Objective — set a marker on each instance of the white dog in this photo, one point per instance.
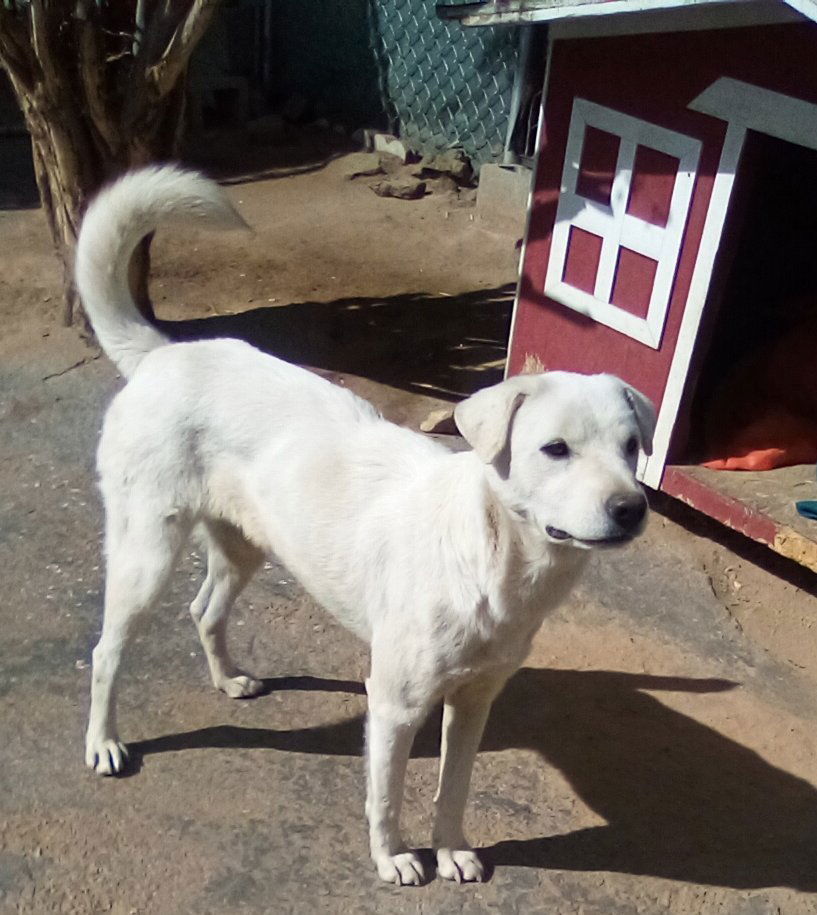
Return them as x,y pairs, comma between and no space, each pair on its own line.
444,563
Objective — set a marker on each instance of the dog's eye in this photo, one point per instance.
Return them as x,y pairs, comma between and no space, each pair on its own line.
632,445
556,449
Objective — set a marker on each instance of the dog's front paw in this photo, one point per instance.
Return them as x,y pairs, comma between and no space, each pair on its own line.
241,686
106,756
403,869
460,864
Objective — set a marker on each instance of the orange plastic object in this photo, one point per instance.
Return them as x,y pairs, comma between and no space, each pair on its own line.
775,439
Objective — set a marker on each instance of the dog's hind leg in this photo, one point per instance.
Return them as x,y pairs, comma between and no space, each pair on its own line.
141,553
231,562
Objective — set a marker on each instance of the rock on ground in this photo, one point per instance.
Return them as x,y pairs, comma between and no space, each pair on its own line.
402,187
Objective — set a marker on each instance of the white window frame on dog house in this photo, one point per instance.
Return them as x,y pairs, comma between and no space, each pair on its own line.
617,228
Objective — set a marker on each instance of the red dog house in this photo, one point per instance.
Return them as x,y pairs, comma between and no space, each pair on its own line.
672,222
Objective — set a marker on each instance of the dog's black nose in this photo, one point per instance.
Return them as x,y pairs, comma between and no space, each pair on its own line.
627,509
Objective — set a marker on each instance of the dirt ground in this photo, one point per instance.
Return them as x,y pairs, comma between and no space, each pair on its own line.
657,753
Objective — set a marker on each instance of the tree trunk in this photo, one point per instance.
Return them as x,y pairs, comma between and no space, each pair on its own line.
59,183
92,114
70,170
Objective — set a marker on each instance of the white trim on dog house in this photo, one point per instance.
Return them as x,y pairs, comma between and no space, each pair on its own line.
744,107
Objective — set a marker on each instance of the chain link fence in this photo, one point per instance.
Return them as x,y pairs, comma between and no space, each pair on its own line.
445,85
378,63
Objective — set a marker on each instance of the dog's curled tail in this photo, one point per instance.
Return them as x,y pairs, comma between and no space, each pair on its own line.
116,221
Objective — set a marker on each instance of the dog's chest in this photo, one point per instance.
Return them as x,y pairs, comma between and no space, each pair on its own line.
496,635
503,624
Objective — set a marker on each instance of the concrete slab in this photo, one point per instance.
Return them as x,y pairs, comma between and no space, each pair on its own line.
502,197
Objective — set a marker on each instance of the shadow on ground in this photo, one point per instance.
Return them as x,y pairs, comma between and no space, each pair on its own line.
445,346
680,800
704,527
232,155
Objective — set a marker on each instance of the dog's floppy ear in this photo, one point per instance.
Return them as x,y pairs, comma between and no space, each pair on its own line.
484,419
644,416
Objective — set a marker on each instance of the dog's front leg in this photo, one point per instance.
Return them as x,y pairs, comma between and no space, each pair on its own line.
390,734
464,715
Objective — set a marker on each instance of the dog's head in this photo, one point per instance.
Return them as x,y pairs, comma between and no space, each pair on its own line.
565,448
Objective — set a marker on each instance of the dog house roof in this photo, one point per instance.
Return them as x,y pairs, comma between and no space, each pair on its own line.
687,13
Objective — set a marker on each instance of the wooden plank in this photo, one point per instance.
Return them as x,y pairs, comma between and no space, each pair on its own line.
578,17
546,10
759,505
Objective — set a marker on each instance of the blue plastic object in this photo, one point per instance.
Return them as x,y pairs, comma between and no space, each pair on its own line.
807,508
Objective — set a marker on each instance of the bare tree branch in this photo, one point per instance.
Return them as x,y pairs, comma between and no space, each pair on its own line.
14,51
92,66
164,73
41,44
